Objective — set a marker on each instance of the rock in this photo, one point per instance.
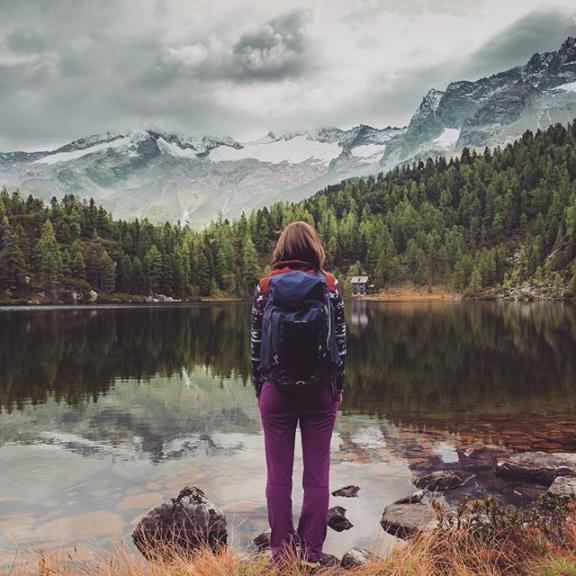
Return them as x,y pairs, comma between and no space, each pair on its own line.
406,520
357,557
337,519
262,541
440,480
92,296
347,491
540,467
563,486
181,526
328,560
415,498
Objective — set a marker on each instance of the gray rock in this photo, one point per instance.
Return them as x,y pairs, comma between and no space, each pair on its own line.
539,467
357,557
440,480
415,498
563,486
328,560
347,491
92,296
180,527
407,520
337,519
262,541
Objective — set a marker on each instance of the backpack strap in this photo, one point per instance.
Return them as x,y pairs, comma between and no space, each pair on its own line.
264,284
330,281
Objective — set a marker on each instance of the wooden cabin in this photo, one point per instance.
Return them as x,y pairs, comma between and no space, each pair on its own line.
359,285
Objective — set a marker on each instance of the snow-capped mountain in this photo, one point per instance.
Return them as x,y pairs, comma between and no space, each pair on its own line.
491,111
162,175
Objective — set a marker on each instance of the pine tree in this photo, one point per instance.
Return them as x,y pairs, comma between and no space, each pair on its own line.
12,261
250,267
106,272
205,283
48,255
77,262
153,268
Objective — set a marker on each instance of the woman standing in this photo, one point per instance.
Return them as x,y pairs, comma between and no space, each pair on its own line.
298,344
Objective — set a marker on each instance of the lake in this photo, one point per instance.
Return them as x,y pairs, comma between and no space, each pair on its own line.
105,411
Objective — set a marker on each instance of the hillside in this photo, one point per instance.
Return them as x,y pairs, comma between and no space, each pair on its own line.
166,176
503,219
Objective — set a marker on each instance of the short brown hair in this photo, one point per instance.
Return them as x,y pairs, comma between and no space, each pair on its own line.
299,241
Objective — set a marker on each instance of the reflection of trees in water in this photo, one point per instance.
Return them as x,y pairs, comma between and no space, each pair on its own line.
429,361
408,362
77,354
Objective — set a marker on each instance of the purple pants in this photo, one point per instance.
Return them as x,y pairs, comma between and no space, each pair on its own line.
280,415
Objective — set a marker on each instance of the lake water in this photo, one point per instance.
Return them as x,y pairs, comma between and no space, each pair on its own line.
106,411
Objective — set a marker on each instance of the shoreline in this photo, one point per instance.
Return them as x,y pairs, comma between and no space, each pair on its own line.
411,294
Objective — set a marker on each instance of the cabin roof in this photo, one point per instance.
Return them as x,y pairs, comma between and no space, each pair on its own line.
359,280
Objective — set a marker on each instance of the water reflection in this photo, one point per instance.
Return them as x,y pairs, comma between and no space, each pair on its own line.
104,412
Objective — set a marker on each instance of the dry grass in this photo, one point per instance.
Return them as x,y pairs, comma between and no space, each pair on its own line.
515,551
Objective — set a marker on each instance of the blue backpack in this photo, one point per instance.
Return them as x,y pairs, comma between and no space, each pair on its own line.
299,352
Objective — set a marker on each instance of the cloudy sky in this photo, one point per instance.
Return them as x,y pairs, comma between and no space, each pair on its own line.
70,68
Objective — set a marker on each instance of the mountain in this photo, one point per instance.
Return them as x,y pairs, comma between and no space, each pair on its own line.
491,111
167,176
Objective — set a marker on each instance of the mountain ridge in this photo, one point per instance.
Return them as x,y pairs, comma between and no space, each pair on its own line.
167,175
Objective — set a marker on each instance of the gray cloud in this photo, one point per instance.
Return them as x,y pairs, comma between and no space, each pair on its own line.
69,68
277,50
541,31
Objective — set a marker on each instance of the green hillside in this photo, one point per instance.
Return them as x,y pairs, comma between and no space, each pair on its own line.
498,220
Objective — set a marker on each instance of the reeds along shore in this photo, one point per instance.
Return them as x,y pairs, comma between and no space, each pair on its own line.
495,542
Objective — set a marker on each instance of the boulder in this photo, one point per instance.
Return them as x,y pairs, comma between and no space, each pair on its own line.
92,296
563,486
357,557
540,467
337,519
407,520
181,526
262,541
347,491
415,498
440,480
328,560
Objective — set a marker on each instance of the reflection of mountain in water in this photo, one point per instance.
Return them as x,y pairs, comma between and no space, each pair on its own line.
165,418
436,364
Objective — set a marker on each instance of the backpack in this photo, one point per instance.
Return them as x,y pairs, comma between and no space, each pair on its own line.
299,353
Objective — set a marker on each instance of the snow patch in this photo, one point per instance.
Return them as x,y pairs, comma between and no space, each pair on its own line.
294,150
569,87
120,143
369,152
448,137
173,149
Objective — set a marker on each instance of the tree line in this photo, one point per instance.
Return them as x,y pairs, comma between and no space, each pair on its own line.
503,217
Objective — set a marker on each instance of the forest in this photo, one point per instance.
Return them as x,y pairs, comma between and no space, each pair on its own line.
495,219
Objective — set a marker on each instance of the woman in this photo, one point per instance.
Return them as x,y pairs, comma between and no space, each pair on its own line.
298,248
